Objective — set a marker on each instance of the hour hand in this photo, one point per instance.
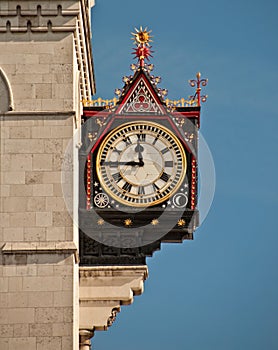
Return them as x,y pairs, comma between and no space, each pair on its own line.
132,163
116,164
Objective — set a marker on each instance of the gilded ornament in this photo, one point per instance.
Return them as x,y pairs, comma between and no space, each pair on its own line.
100,222
101,121
128,222
155,222
181,223
142,36
189,136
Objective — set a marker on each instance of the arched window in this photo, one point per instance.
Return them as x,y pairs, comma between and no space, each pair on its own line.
6,95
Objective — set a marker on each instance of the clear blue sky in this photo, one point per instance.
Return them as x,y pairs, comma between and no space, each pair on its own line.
219,291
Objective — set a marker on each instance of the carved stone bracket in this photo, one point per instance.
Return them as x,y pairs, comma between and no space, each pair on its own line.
103,289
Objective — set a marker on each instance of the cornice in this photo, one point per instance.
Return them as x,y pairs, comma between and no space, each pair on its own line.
39,248
110,271
55,17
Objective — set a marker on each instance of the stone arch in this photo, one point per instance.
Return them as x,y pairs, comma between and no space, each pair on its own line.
6,94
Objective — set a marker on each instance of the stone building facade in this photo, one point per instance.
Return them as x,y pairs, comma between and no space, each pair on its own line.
45,71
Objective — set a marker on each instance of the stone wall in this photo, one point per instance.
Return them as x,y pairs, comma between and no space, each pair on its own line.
32,152
40,73
45,70
36,275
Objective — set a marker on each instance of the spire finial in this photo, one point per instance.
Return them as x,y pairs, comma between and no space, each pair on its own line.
198,82
142,39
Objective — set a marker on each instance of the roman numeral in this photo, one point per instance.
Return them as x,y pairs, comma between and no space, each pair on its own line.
169,163
157,137
141,137
117,177
141,190
155,187
165,150
155,140
117,151
110,164
165,177
127,187
127,140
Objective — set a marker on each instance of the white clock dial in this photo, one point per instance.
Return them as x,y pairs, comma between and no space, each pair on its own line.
141,164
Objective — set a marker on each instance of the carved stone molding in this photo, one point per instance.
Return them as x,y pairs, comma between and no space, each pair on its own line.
85,336
113,316
103,289
39,248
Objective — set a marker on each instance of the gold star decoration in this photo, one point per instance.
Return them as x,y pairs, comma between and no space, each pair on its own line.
100,222
128,222
181,223
142,36
154,222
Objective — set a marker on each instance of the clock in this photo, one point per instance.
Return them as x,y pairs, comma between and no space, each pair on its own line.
141,164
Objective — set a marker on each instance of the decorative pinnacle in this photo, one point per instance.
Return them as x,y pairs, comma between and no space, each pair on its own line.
142,39
198,83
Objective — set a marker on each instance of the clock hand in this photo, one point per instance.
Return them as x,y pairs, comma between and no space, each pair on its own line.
139,149
116,164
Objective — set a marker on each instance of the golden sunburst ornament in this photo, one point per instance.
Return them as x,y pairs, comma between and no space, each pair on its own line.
100,222
181,223
128,222
155,222
142,36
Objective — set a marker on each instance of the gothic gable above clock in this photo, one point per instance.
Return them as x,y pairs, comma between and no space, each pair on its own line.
140,96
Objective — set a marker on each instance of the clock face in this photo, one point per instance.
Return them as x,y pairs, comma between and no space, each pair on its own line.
141,164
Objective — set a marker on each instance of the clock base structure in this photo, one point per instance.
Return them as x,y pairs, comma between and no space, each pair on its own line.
103,290
96,249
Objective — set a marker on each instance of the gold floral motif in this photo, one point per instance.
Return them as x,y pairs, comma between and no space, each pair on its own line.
92,136
101,121
100,102
180,121
100,222
181,223
154,222
181,102
189,136
128,222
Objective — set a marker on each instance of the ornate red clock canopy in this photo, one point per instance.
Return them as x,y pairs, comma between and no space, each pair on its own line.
117,134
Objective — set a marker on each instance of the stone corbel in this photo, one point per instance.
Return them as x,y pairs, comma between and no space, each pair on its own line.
102,291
